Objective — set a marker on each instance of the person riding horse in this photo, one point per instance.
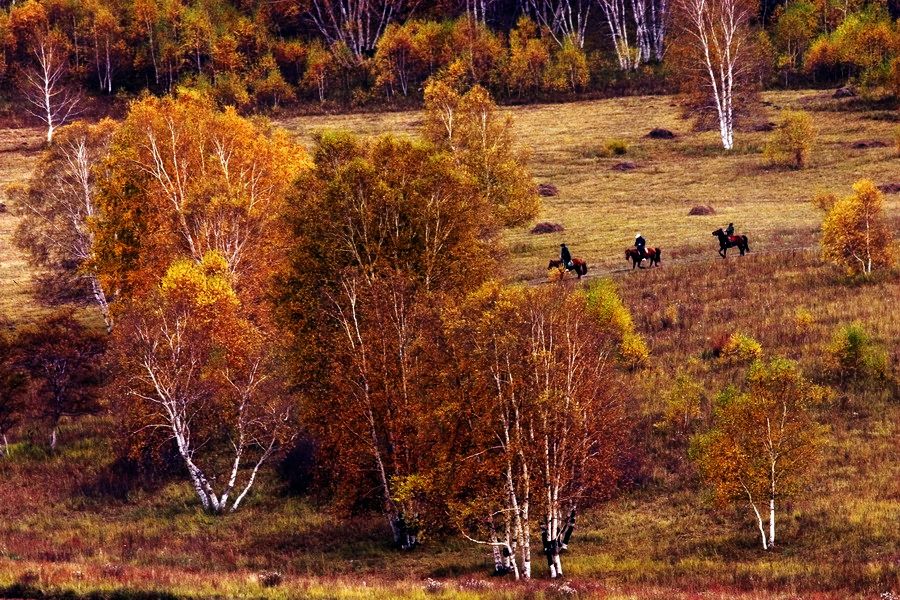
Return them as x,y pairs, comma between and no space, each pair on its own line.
565,256
729,231
640,243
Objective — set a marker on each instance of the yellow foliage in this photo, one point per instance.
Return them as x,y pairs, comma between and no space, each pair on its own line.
803,319
792,140
741,348
855,234
605,303
684,402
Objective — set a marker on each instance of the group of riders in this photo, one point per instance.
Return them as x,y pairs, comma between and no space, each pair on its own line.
640,245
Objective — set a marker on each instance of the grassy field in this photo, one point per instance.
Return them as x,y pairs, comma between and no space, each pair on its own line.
60,529
601,208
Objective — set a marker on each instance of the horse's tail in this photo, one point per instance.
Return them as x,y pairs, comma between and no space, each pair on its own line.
584,268
658,255
747,243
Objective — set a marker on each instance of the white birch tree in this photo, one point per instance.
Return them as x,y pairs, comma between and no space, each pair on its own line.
562,18
763,443
47,96
357,23
551,415
202,374
60,203
719,40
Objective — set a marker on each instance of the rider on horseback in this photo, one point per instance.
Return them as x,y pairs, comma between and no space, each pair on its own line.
729,231
565,256
640,243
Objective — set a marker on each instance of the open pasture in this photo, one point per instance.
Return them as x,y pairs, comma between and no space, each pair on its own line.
601,208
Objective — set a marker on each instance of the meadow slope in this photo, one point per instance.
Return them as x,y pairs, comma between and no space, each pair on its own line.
61,529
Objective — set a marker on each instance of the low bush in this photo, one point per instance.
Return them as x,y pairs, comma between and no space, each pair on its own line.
792,141
853,355
740,348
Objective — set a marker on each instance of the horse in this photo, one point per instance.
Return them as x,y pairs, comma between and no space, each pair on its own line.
730,241
652,255
578,265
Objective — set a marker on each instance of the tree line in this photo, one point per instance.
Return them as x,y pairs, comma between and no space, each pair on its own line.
259,297
263,55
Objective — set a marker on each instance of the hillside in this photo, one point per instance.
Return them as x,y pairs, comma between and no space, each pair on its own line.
65,526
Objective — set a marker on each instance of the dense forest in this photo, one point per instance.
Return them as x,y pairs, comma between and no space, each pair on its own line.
343,53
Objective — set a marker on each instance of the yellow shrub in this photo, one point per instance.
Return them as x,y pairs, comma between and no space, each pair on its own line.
803,319
634,351
684,403
792,140
741,348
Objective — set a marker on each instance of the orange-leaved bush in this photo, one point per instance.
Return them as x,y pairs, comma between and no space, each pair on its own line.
855,233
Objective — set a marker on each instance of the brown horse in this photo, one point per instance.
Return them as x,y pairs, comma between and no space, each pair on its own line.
730,241
651,254
578,265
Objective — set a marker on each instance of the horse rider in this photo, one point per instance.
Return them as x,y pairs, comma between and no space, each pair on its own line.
729,231
565,256
640,243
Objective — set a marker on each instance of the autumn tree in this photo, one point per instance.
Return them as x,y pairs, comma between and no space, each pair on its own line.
470,126
191,229
61,360
541,379
796,25
792,140
529,56
182,179
356,23
764,441
44,81
568,69
855,234
59,203
194,367
716,53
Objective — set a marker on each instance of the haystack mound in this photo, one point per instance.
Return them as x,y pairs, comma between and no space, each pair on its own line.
547,227
547,189
701,210
659,133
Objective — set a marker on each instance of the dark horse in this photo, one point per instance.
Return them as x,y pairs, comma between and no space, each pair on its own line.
578,265
651,254
730,241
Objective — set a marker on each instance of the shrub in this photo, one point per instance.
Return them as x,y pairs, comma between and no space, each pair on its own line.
792,140
803,319
606,304
853,354
684,403
740,348
616,147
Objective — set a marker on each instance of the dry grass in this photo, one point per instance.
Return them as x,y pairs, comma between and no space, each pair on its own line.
19,150
662,540
601,209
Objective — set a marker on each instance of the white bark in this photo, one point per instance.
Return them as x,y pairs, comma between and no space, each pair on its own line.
357,23
47,97
563,18
614,11
720,31
172,371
